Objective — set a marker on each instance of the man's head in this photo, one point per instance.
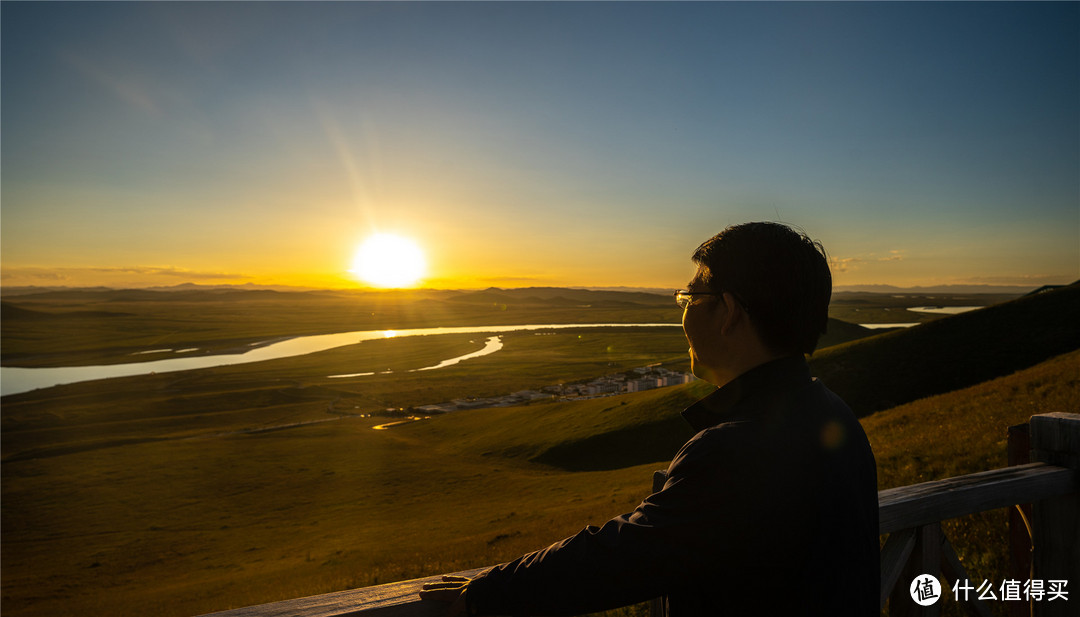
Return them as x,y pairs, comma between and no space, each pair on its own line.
770,275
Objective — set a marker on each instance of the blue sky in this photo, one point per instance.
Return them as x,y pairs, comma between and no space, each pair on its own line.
536,143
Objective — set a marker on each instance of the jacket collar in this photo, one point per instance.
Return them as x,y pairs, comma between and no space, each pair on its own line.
773,376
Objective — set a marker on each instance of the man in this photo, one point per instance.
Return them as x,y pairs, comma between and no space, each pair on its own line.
770,509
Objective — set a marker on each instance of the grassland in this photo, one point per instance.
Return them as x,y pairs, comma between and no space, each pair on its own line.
112,488
183,493
99,327
85,327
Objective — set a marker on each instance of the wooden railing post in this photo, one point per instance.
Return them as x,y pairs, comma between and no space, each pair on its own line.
1055,440
1019,453
926,558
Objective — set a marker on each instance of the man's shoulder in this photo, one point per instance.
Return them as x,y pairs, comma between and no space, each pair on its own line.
732,439
781,424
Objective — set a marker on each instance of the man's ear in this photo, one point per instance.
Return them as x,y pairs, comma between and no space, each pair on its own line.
733,316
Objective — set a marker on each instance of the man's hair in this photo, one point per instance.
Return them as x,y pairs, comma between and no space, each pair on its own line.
780,276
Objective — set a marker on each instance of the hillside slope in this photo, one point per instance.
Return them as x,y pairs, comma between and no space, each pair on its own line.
914,442
598,434
883,371
966,431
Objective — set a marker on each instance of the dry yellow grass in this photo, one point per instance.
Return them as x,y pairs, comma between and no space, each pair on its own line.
965,432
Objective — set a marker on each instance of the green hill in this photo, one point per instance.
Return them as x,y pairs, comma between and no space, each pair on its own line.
882,371
841,332
598,434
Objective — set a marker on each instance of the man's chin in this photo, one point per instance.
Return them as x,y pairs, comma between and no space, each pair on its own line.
700,371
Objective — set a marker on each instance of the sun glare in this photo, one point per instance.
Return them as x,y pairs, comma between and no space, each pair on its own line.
388,260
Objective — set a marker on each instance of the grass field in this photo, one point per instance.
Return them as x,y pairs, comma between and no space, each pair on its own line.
70,328
138,480
173,494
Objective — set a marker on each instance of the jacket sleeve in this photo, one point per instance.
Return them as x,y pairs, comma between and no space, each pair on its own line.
700,520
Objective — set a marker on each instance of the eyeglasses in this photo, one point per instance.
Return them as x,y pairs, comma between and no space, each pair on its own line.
684,297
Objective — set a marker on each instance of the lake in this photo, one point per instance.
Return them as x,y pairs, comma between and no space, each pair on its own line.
943,310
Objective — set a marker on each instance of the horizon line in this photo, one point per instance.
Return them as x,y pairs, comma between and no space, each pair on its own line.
851,287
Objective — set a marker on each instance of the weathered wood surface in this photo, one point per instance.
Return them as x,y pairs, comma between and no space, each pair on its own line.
1019,453
894,560
954,571
399,599
927,558
1055,439
939,500
1055,523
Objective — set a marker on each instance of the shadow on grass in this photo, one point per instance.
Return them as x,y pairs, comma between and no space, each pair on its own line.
653,442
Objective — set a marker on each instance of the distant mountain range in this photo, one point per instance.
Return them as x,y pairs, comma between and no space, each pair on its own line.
937,289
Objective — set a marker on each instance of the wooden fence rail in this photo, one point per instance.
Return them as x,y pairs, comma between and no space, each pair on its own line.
910,515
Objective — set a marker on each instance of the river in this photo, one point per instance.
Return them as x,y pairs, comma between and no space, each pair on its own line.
14,380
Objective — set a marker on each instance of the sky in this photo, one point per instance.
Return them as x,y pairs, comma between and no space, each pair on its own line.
535,144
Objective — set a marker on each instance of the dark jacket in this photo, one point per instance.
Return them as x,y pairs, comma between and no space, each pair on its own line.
770,509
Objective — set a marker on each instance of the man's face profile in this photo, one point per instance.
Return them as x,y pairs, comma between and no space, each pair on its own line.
699,325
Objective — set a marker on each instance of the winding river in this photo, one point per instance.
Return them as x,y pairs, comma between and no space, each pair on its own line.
14,380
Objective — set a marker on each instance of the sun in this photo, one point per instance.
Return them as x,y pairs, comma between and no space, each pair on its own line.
389,260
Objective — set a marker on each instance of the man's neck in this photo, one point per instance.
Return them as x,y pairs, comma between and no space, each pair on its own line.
751,357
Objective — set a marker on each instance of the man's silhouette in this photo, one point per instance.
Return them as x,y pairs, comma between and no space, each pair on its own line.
770,509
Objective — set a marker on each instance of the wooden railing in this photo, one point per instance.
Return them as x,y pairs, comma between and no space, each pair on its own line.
910,515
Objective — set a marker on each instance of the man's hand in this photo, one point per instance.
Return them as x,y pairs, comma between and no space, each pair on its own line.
450,591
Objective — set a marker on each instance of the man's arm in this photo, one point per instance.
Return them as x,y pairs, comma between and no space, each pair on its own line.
707,519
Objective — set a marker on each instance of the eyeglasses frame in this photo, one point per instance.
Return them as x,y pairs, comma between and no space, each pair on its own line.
689,295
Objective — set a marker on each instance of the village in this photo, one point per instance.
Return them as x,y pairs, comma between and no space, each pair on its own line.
635,380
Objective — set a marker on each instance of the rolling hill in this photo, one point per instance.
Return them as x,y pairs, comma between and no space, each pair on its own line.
954,352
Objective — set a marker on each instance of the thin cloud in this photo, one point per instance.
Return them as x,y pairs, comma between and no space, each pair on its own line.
170,271
126,89
843,264
487,281
30,274
846,264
